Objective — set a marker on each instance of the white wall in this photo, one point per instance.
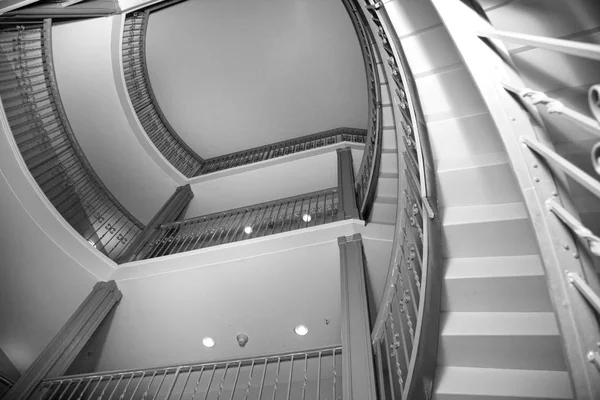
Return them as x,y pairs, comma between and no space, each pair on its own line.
163,317
276,181
82,57
231,75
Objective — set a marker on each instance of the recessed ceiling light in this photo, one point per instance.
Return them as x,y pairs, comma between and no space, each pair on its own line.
306,217
248,230
301,330
208,342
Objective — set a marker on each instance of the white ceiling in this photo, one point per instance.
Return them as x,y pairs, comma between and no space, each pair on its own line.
234,74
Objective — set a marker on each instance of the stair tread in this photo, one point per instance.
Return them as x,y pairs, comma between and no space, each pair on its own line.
473,161
483,213
498,324
386,200
493,267
454,383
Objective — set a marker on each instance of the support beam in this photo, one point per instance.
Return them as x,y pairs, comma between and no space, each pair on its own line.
62,350
170,212
347,196
357,354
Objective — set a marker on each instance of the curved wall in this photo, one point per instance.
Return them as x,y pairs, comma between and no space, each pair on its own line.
84,72
235,74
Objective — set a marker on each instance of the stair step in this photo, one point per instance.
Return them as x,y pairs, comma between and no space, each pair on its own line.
377,231
384,211
495,284
389,139
387,187
517,340
478,184
389,162
388,116
493,230
457,383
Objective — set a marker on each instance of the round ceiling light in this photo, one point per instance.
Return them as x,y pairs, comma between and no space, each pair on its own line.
306,217
248,230
208,342
301,330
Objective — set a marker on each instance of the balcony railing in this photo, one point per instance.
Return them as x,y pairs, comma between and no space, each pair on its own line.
166,140
405,333
283,148
315,374
244,223
568,246
47,144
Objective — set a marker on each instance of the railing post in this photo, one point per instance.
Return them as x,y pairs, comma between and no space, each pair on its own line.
347,196
169,212
62,350
357,354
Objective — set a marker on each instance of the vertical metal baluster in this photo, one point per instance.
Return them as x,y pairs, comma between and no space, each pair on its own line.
95,387
116,256
334,377
249,380
276,377
172,386
85,389
105,387
305,376
75,389
198,383
196,230
222,381
56,389
262,381
124,391
389,362
187,228
116,386
210,382
324,208
160,384
233,225
149,384
219,221
319,377
308,212
212,223
276,222
237,375
292,216
187,378
290,379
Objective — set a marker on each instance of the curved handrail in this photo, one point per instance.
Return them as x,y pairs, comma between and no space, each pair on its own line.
48,146
368,172
144,102
408,317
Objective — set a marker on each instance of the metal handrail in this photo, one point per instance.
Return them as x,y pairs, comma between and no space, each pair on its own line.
571,47
575,225
554,106
368,171
585,180
409,309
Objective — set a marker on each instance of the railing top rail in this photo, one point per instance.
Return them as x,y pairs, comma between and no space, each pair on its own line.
250,207
571,47
311,353
287,142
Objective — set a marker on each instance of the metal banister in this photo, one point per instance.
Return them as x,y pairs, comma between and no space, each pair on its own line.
571,47
570,169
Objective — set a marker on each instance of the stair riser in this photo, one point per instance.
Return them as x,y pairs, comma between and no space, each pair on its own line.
489,239
504,352
496,294
389,163
493,184
389,140
387,187
384,213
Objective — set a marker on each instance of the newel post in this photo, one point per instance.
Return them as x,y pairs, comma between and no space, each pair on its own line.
357,353
68,342
347,196
169,212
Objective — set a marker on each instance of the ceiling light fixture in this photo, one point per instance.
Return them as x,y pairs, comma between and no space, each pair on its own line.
248,230
208,342
306,217
301,330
